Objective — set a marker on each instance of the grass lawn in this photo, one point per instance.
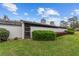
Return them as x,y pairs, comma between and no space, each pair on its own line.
65,45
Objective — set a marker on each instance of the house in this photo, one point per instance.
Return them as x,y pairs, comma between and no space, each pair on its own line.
23,29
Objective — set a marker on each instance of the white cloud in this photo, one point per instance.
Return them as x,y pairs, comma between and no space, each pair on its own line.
41,10
15,13
11,7
26,14
72,13
65,18
51,12
28,18
31,19
45,12
75,12
55,19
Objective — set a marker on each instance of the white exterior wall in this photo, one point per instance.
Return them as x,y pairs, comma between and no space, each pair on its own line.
23,30
46,28
15,31
18,31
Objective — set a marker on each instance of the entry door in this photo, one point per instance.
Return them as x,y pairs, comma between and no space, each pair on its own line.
27,32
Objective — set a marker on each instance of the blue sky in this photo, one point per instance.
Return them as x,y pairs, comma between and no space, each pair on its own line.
35,11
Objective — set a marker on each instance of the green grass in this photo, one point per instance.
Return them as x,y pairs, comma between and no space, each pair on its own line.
67,45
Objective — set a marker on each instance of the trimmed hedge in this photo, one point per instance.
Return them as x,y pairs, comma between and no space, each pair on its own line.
4,34
70,31
43,35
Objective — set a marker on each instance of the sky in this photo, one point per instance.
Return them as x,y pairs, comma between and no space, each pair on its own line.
36,11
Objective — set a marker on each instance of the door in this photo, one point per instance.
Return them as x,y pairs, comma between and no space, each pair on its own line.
27,32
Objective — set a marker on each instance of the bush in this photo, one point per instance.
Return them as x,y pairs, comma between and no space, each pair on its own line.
70,31
43,35
16,38
60,33
4,34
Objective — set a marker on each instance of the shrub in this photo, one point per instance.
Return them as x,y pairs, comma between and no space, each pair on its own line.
60,33
43,35
4,34
70,31
16,38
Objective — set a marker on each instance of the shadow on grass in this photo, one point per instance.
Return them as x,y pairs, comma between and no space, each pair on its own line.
1,41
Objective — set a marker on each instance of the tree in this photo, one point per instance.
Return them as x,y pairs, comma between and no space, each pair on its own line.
5,18
73,22
52,23
43,21
64,24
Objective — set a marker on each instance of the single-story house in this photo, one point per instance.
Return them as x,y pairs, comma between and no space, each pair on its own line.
23,29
